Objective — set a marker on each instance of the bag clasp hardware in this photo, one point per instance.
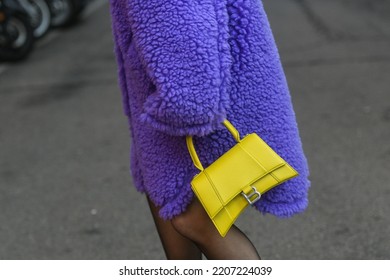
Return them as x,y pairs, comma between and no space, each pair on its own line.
249,197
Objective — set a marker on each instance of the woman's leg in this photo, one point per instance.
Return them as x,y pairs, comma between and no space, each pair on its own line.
196,225
176,246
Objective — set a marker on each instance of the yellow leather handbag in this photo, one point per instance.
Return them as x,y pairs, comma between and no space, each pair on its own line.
237,178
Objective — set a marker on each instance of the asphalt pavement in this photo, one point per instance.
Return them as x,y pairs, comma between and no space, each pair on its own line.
65,186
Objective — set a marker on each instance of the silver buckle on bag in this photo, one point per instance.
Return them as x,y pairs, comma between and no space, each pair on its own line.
254,194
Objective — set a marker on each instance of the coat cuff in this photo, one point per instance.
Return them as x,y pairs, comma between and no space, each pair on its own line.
196,129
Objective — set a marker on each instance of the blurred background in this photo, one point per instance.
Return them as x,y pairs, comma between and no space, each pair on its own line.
65,186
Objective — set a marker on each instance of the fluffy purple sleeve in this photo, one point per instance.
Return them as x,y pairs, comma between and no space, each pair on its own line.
183,46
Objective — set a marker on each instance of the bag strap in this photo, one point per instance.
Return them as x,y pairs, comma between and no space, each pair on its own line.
191,148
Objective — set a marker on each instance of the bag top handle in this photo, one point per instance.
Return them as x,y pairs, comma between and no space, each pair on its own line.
191,148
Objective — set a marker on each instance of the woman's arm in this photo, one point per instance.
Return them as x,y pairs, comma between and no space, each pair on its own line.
183,46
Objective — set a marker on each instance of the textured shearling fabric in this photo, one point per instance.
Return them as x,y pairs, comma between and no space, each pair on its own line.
183,67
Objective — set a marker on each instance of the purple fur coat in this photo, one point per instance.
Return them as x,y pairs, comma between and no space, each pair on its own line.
186,65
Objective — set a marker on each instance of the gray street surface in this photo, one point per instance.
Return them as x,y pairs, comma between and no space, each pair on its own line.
65,187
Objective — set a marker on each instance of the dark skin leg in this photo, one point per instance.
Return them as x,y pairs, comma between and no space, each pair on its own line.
196,225
176,246
184,234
